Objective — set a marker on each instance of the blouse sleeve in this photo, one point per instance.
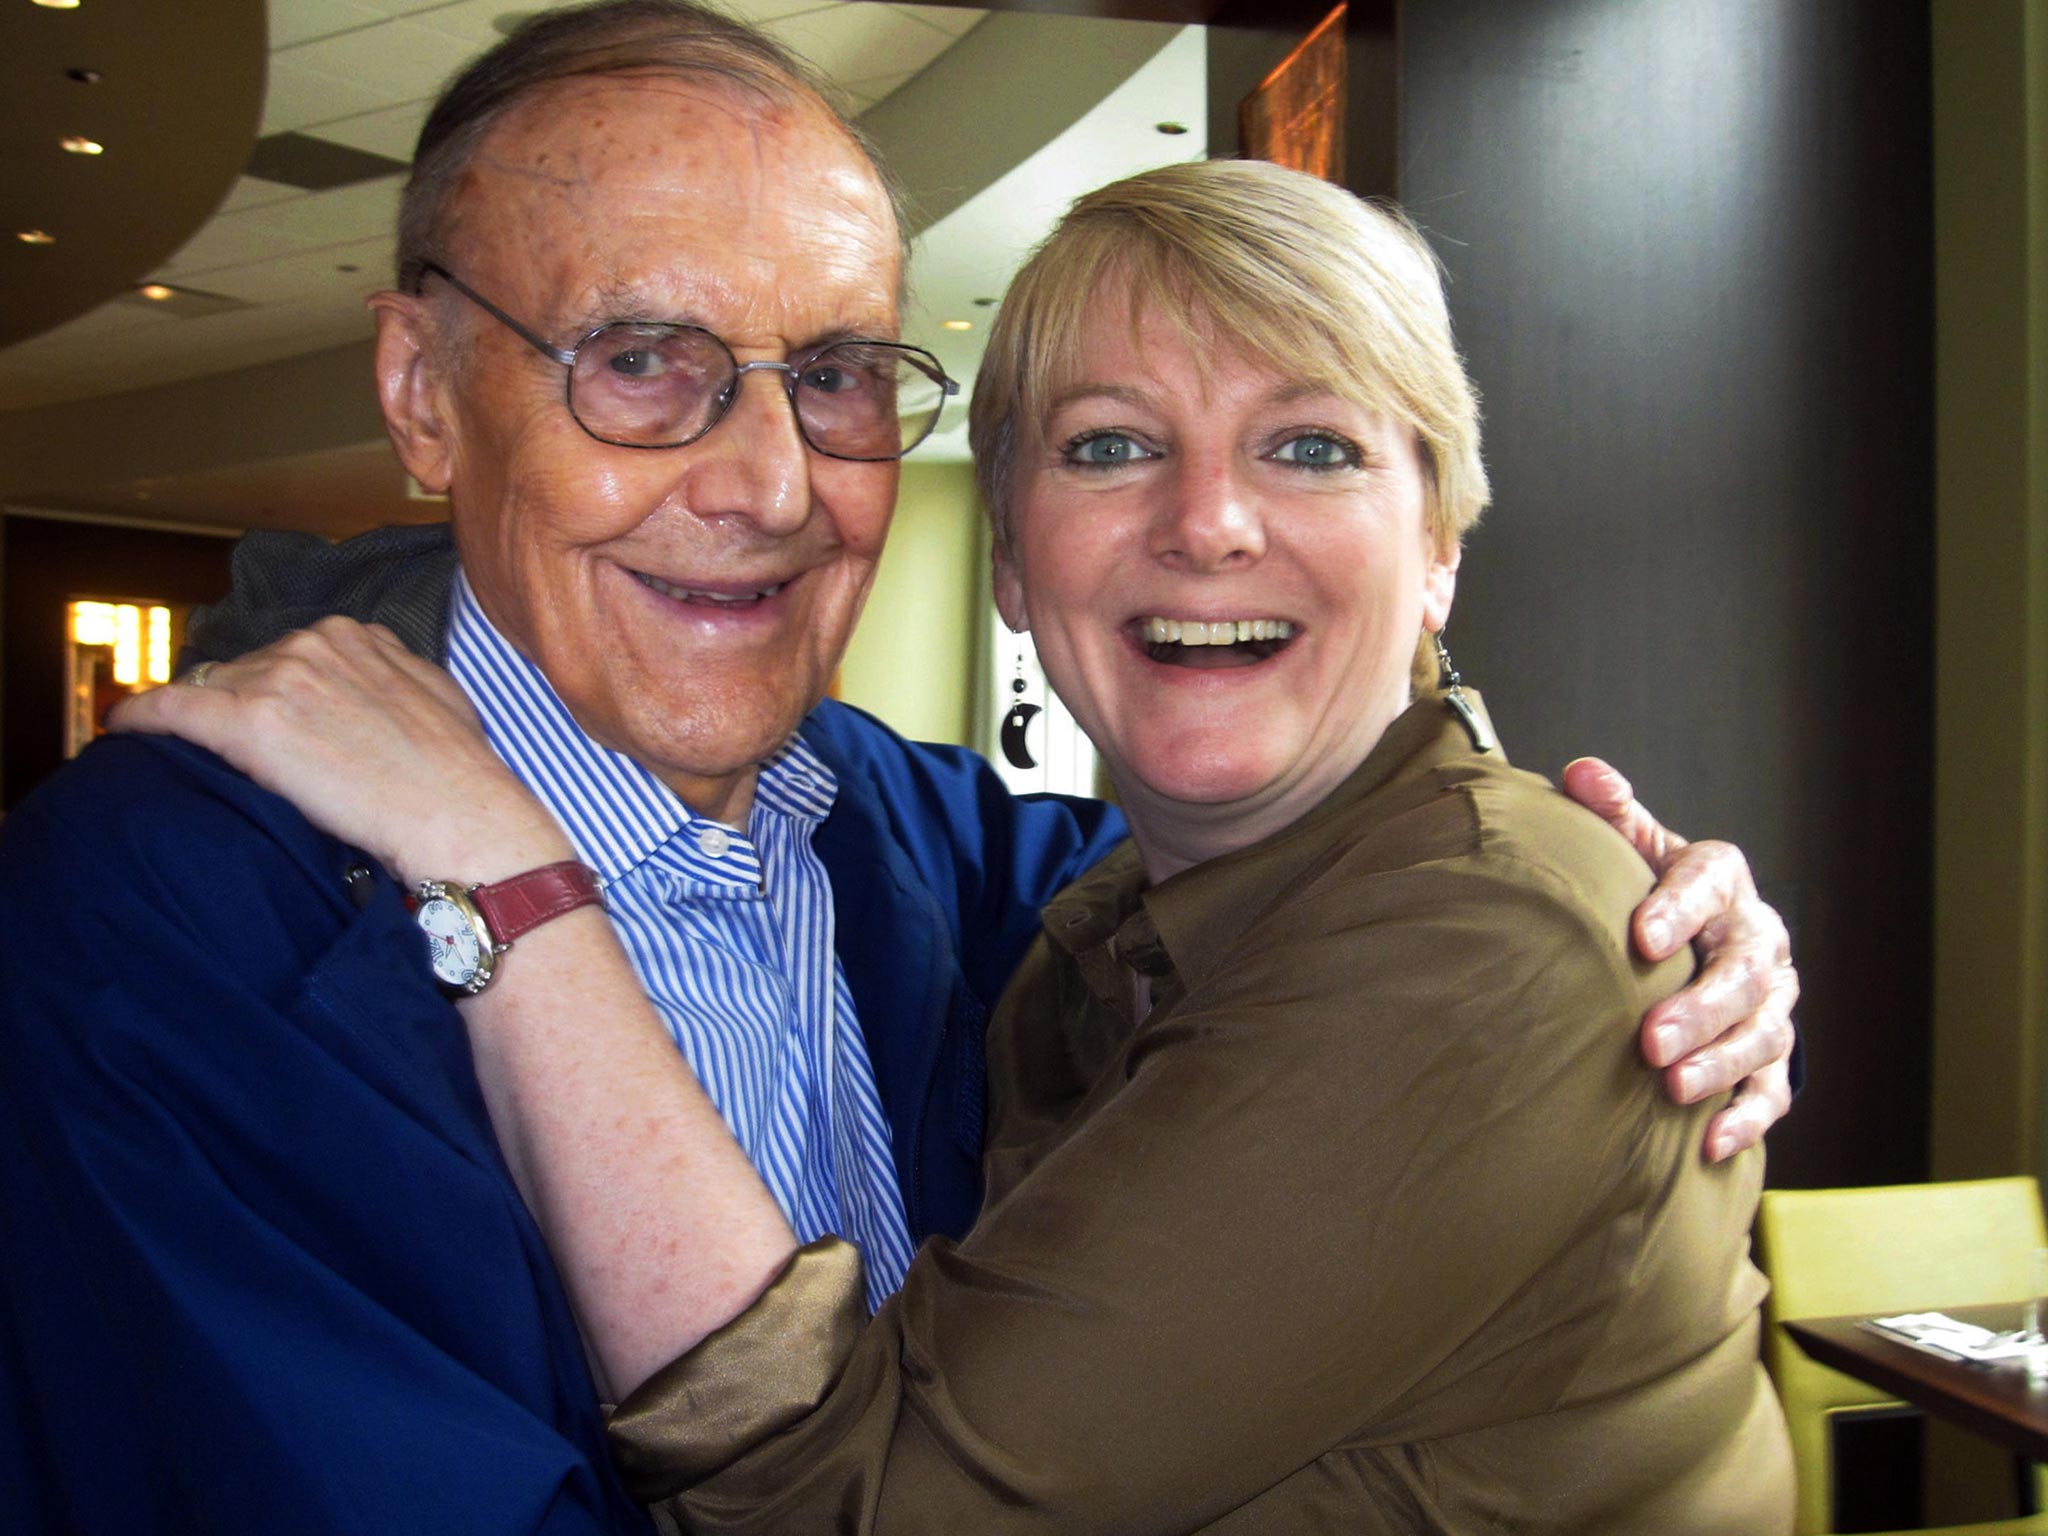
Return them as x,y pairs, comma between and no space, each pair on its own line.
1281,1227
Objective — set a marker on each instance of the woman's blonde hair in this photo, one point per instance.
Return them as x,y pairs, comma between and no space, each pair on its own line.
1301,275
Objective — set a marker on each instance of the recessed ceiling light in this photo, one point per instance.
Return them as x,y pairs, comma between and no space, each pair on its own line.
59,5
83,76
156,291
35,237
76,144
1171,130
957,325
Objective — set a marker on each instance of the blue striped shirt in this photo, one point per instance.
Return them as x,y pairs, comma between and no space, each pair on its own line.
731,934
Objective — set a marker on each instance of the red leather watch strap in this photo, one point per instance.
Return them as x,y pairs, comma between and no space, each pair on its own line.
522,903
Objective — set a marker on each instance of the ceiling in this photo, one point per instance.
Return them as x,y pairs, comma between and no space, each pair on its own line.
243,399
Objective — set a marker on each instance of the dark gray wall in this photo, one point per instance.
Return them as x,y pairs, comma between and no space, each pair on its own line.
1690,259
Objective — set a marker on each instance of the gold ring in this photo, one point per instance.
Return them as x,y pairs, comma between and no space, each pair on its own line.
197,676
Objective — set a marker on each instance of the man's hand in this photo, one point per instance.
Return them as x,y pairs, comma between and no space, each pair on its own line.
1732,1026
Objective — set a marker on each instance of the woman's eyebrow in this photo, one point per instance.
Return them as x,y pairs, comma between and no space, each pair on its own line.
1089,389
1303,389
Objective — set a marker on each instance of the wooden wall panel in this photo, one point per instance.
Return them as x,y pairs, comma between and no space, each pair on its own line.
1690,260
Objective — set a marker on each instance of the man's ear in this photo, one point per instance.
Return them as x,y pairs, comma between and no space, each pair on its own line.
409,380
1009,590
1439,586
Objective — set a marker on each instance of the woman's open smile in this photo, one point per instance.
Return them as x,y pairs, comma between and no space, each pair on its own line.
1213,643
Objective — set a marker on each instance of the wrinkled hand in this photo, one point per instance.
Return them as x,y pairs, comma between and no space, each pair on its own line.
1732,1026
372,744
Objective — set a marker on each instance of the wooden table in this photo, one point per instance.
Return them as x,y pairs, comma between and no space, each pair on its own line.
1995,1401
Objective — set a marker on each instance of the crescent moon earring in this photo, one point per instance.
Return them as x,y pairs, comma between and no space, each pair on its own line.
1016,744
1448,679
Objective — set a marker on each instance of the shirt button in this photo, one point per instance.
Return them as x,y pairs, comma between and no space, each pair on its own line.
713,842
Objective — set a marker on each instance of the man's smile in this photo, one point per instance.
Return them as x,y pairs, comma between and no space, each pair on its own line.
726,596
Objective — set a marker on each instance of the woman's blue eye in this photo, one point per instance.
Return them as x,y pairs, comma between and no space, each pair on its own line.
1106,448
1317,450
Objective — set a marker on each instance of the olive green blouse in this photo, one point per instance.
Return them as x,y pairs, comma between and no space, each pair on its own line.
1372,1222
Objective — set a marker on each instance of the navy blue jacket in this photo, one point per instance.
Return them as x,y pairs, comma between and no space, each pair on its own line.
261,1265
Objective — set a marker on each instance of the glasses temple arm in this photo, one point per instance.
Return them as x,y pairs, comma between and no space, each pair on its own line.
565,356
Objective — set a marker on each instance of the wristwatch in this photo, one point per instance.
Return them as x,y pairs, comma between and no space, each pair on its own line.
468,927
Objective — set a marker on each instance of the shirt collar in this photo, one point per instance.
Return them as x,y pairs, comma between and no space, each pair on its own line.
614,810
1111,920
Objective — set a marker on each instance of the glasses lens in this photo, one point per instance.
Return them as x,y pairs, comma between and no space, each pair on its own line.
649,386
868,400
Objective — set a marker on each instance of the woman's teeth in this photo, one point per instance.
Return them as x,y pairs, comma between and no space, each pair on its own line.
697,595
1222,632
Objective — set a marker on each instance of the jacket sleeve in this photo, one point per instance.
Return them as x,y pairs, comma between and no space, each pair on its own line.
1276,1226
261,1267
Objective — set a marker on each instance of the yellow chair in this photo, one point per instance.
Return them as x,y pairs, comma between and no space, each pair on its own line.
1909,1248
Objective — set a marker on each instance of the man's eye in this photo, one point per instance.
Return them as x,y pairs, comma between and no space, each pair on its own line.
1317,450
1100,449
830,380
638,363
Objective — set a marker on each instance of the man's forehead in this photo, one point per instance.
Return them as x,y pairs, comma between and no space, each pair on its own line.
642,134
618,192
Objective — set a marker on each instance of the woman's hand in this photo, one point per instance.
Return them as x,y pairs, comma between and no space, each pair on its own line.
1732,1026
372,744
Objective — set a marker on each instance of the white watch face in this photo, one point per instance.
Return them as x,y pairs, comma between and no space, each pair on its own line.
452,946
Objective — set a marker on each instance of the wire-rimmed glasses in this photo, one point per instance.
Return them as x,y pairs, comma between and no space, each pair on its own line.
660,384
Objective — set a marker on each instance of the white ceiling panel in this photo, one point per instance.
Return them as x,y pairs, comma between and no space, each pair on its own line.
296,21
392,131
300,96
402,60
312,221
761,12
359,212
858,95
861,42
254,192
313,276
238,240
473,23
951,20
390,8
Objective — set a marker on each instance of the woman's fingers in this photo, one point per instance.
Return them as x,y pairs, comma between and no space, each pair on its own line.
371,743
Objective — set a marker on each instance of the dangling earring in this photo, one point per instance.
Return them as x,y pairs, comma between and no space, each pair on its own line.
1016,748
1474,722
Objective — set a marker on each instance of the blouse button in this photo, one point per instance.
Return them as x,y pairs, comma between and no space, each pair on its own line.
713,842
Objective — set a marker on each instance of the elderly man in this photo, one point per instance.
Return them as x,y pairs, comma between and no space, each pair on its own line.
264,1267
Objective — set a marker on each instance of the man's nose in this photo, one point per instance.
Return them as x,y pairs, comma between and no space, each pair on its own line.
1210,520
754,463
